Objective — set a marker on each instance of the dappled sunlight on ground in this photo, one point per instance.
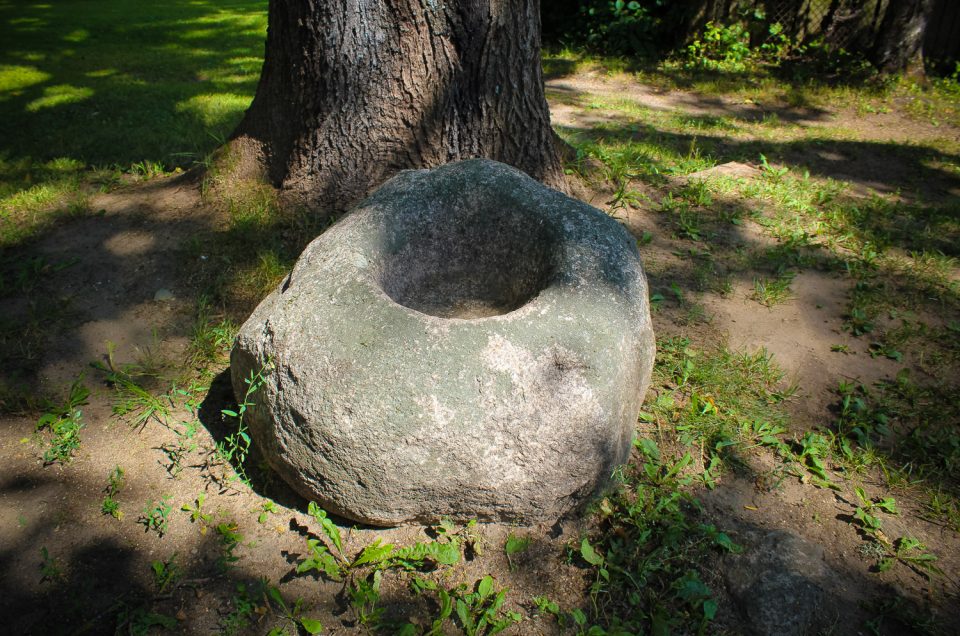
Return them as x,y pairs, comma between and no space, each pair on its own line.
806,303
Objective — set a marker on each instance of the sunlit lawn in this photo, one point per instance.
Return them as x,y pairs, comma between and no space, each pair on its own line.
128,86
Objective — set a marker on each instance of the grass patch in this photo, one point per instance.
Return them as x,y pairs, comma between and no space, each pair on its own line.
131,87
246,258
913,425
212,335
63,424
628,154
717,399
811,86
650,547
76,85
773,291
899,257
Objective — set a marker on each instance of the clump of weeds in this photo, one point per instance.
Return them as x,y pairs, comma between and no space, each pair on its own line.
64,423
110,505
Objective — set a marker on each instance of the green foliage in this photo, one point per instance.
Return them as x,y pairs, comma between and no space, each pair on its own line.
51,569
890,613
650,543
906,550
575,618
147,169
859,421
865,514
364,572
64,422
327,525
815,449
27,273
772,173
244,607
719,400
364,595
236,446
290,615
911,552
624,196
135,400
689,223
197,515
720,48
777,45
165,573
645,557
617,27
106,113
727,47
264,603
229,537
131,397
872,419
320,559
422,554
648,159
212,336
773,291
155,515
185,431
110,505
478,612
858,323
266,509
409,557
140,620
326,557
515,545
696,595
944,508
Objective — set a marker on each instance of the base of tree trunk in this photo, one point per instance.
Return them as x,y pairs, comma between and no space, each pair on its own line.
242,165
352,93
899,41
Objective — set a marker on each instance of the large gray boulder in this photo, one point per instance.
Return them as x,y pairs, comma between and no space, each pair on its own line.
466,343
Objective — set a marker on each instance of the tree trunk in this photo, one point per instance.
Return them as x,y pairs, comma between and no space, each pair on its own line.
898,46
351,92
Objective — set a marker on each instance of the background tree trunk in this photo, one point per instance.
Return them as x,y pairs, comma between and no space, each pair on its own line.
352,92
899,42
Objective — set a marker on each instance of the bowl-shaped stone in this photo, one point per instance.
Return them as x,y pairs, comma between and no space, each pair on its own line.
466,343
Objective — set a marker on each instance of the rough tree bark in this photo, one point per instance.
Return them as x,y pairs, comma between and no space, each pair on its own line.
353,91
898,46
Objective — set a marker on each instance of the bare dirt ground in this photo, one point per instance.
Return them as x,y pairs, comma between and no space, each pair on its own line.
98,567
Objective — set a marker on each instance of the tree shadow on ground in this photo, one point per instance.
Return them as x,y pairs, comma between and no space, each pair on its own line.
713,250
162,83
798,74
692,109
106,583
116,563
775,585
917,173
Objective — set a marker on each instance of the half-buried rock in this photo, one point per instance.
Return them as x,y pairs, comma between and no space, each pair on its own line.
466,343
